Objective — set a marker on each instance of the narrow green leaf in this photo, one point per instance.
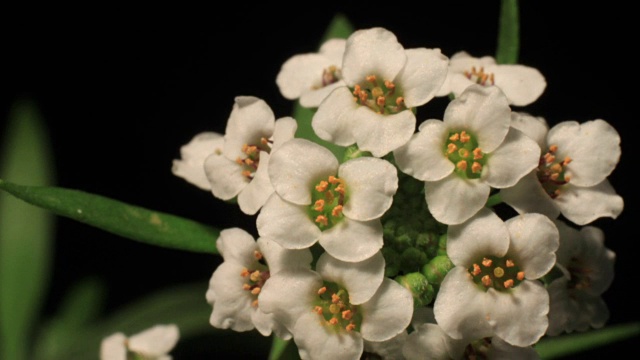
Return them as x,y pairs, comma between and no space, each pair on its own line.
508,33
26,232
341,28
184,306
132,222
553,348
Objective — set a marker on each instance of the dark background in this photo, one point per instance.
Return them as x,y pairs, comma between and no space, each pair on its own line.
122,90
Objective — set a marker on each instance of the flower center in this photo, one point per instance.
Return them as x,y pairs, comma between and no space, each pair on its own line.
251,161
478,350
334,307
462,149
380,96
551,172
327,200
255,277
499,273
330,75
580,275
480,76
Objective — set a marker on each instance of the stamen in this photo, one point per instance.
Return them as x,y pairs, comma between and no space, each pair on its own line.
567,178
255,303
464,137
508,284
463,153
566,161
553,148
380,100
454,137
337,210
389,85
319,205
256,290
248,161
322,290
239,161
486,281
340,189
245,272
258,255
554,176
333,321
321,219
264,141
477,154
462,165
476,167
372,79
347,314
510,263
498,272
255,276
357,90
400,101
350,327
334,180
322,186
487,262
520,275
548,158
246,287
335,298
246,173
451,148
476,270
318,310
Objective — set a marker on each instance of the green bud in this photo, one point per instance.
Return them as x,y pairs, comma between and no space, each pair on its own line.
412,259
353,152
392,262
436,269
419,287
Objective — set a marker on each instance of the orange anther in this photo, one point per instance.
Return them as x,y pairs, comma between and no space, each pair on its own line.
264,141
337,210
245,272
476,270
462,165
380,101
371,78
520,275
255,303
239,161
334,180
321,219
255,276
477,154
510,263
400,101
322,290
333,321
347,314
454,137
257,254
486,281
464,137
476,167
566,161
246,173
322,186
248,161
451,148
246,287
508,284
487,262
340,189
548,158
319,205
553,148
389,84
256,290
335,298
554,176
350,327
318,310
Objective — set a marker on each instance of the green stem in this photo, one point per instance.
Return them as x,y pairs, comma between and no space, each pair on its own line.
508,33
494,200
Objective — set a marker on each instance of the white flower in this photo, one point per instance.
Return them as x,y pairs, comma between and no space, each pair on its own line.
389,349
576,304
521,84
387,82
312,76
192,156
332,311
153,344
235,285
571,177
241,169
492,290
318,200
472,150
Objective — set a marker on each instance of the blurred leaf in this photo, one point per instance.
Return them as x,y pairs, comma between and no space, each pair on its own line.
184,306
132,222
283,350
26,232
340,27
555,347
508,33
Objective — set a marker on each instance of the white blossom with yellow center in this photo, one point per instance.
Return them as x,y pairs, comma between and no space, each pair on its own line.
463,156
190,166
317,199
521,84
384,82
311,77
571,176
493,288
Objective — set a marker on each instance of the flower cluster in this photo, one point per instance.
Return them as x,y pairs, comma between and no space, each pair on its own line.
397,247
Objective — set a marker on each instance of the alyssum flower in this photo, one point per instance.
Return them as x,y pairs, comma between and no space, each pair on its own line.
572,172
318,200
521,84
190,166
153,344
384,82
236,283
492,290
332,310
472,150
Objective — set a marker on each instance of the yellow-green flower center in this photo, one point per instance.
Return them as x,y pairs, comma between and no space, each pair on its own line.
551,172
327,201
498,273
381,96
255,277
462,149
251,159
333,305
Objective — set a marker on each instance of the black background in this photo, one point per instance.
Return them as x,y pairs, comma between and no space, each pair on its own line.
121,91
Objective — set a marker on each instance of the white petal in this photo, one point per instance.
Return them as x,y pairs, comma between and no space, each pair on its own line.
352,240
453,200
387,313
516,157
333,49
423,156
570,243
521,84
431,343
334,121
483,235
266,323
371,184
286,223
460,307
374,51
528,196
422,75
256,193
279,258
191,165
156,341
509,311
534,127
381,134
301,73
559,304
583,205
389,349
236,245
251,119
598,259
318,340
225,176
361,279
456,84
501,350
594,149
113,347
232,304
297,166
285,130
534,241
289,294
313,98
483,112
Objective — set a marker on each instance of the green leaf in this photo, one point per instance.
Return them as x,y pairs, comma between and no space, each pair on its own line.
508,33
132,222
553,348
340,28
26,232
184,306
